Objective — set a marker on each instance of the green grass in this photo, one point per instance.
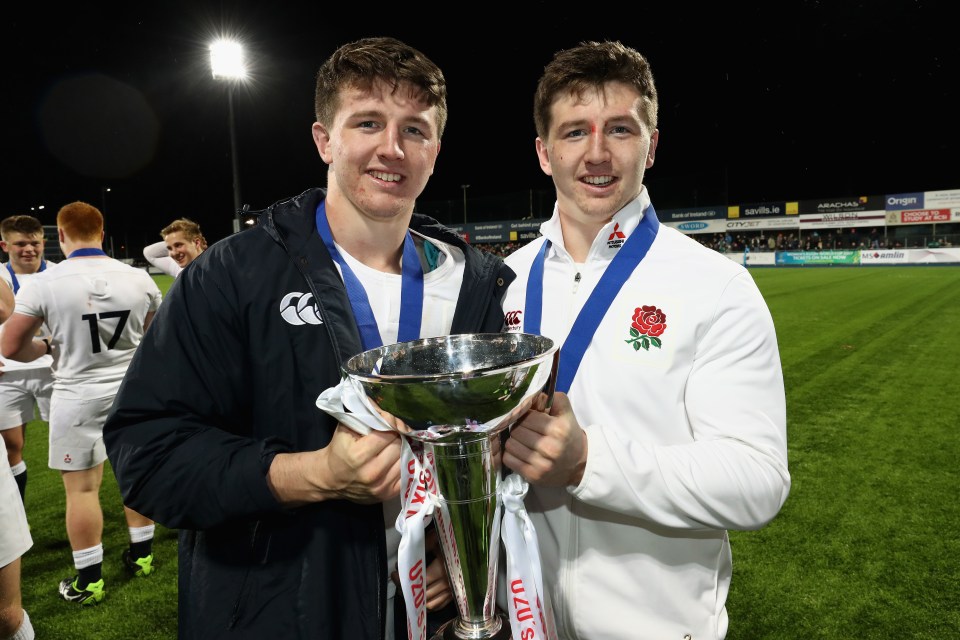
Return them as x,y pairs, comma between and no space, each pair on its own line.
866,546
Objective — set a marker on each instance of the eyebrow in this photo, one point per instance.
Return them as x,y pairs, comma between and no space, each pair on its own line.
580,122
370,113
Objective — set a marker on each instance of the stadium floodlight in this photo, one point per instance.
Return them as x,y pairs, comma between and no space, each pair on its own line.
226,60
227,63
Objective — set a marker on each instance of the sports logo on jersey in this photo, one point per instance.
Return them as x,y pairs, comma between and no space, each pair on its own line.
648,325
67,458
511,321
617,238
299,308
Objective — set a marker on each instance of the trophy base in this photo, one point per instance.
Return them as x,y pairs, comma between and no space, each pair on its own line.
498,628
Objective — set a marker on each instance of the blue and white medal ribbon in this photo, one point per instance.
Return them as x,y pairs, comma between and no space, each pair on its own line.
411,289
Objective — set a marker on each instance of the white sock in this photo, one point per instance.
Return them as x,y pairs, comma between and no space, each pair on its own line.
141,534
25,632
88,557
19,468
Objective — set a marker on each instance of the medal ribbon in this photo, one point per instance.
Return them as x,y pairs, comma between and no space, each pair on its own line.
411,289
614,276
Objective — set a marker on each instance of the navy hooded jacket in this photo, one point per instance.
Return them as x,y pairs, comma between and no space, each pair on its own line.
220,384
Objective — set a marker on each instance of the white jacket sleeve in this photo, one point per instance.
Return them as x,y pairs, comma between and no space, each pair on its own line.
156,254
731,473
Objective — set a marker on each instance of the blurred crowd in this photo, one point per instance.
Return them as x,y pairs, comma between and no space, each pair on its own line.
763,241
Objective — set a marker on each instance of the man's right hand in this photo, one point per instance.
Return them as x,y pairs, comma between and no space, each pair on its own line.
364,469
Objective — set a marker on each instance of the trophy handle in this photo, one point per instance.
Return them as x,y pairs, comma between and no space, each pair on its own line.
551,386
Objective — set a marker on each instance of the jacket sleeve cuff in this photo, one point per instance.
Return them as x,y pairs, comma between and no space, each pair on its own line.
257,490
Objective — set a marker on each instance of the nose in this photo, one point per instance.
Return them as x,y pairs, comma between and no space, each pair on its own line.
390,147
597,151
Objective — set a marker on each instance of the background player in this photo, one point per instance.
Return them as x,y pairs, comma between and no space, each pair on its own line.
23,385
97,309
182,243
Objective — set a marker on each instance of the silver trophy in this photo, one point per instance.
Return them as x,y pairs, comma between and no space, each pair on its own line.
455,395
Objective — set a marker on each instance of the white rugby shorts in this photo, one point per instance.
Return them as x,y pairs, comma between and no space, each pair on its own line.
76,432
20,391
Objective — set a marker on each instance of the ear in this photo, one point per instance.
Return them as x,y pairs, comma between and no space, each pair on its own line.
652,151
60,235
321,138
543,153
3,245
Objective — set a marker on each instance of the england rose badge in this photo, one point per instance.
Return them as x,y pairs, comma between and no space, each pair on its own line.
648,325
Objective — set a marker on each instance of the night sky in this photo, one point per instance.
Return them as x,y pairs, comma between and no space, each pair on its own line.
759,102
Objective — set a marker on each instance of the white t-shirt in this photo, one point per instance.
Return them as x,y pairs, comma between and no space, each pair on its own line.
43,362
441,288
95,309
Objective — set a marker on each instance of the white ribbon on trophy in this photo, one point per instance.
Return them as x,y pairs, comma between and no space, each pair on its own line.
420,500
526,609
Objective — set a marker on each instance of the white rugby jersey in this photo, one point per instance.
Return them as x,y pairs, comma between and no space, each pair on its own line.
43,362
95,309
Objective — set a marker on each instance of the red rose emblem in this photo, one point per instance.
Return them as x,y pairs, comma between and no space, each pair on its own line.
649,320
649,323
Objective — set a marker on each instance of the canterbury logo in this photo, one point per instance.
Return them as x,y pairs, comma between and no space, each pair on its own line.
298,308
512,319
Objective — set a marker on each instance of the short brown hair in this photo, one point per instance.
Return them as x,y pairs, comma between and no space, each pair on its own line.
590,65
27,225
81,221
359,64
186,226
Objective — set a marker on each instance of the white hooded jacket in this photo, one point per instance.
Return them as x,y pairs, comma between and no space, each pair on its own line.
685,418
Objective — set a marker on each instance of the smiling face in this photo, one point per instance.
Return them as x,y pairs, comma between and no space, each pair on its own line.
182,251
597,150
25,249
381,149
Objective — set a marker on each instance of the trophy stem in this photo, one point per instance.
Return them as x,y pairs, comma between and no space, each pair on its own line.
468,524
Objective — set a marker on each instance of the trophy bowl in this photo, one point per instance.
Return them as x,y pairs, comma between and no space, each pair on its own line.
474,382
454,395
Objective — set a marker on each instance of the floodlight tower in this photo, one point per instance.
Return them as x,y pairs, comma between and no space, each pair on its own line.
227,63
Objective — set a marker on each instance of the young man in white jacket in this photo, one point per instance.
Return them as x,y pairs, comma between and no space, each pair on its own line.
668,426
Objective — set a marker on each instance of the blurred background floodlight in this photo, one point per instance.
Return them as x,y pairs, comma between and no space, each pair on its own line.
226,59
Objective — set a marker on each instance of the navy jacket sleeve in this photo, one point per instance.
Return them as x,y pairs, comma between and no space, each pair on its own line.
179,435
